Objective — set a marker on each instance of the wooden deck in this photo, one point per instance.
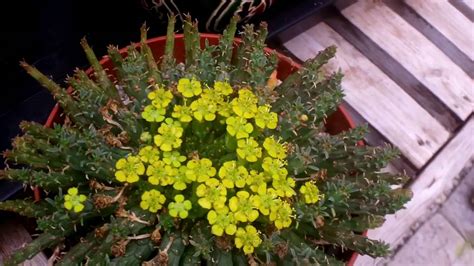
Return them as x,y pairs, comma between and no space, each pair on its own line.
409,73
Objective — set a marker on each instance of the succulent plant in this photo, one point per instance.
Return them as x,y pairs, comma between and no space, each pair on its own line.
210,160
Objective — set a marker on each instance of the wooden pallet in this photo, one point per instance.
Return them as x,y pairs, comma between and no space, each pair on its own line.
409,73
12,237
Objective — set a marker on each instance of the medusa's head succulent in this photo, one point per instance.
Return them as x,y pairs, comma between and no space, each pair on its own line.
210,159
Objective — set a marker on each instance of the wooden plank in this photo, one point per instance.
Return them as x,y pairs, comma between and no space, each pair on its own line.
12,237
434,35
435,243
469,3
464,6
430,188
459,208
416,53
449,21
390,66
375,96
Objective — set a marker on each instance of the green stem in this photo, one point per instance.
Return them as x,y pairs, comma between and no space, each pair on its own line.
60,94
27,208
168,57
99,72
146,51
45,240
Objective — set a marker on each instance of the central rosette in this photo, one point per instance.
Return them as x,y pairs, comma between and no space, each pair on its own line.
210,153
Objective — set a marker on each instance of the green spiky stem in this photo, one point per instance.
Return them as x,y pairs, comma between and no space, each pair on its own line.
117,59
173,247
137,251
50,181
99,71
37,130
315,64
168,60
77,253
358,243
45,240
304,252
226,43
60,94
189,257
27,208
192,44
146,51
100,253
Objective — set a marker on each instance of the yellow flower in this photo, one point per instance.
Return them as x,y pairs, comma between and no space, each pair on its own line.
245,105
183,113
257,182
173,158
221,221
189,88
180,180
149,154
73,200
310,192
161,98
212,194
200,170
169,136
224,109
129,169
284,186
212,96
244,207
223,88
233,175
145,137
266,119
249,150
274,148
204,109
161,174
274,167
247,239
179,207
153,114
152,200
238,127
266,200
281,214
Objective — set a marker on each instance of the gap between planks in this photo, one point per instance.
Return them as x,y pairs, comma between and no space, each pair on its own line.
390,66
416,53
430,188
434,35
375,96
449,21
464,6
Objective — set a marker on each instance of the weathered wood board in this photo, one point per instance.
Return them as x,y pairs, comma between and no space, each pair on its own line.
452,23
429,189
435,243
469,3
378,99
416,53
12,237
459,208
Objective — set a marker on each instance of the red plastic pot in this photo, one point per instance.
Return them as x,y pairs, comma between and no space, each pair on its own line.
337,122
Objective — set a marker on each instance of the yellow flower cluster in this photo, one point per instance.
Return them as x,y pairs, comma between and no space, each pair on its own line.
252,184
